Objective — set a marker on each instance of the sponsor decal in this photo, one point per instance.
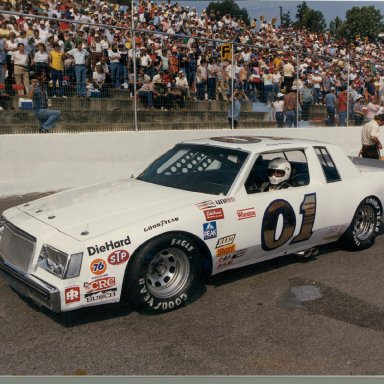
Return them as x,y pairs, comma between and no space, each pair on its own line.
99,285
214,214
108,246
232,256
72,294
226,260
161,224
225,250
118,257
246,213
206,205
225,241
210,230
96,296
183,243
224,264
225,200
98,266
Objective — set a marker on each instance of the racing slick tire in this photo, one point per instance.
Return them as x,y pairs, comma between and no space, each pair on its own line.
165,274
365,225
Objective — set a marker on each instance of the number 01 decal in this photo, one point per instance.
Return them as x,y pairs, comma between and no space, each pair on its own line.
282,208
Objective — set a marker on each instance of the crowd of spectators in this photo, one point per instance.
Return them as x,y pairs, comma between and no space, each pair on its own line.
178,55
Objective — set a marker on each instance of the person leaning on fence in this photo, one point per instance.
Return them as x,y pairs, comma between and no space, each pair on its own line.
290,107
358,112
234,113
370,141
277,108
38,94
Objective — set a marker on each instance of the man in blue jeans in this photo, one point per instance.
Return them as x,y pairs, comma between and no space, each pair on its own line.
80,55
38,94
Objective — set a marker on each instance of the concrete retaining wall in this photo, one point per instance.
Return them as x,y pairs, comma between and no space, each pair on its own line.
51,162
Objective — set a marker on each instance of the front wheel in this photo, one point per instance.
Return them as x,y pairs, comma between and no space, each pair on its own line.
164,274
365,225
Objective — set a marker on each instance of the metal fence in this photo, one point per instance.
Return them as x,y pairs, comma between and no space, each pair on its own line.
190,82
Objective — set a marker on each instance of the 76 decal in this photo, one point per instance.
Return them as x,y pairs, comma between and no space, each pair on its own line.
98,266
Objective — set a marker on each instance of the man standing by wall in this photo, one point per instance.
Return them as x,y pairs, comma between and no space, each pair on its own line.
371,144
330,101
80,56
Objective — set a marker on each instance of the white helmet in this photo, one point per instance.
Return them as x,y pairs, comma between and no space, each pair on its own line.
279,170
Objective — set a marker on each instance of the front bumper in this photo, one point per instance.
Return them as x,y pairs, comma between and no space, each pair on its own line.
31,287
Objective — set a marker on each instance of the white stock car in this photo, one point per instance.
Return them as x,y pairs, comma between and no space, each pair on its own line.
196,210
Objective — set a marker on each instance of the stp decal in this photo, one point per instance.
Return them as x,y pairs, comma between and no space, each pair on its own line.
72,294
98,266
210,230
118,257
214,214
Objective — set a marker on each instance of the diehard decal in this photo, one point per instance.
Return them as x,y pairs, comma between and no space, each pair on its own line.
72,294
118,257
246,213
98,266
210,230
108,246
214,214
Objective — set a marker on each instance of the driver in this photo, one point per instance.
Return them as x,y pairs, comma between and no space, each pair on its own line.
279,172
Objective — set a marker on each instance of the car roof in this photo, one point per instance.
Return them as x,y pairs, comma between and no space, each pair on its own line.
255,143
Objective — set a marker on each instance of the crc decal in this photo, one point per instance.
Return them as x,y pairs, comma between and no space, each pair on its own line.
225,250
99,285
183,244
225,241
108,246
206,205
210,230
214,214
225,200
155,304
118,257
96,296
72,294
246,213
161,224
281,209
98,266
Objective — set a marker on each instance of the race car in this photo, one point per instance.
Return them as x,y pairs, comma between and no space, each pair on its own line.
204,207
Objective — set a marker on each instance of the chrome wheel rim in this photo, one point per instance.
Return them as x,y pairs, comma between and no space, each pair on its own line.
365,222
167,273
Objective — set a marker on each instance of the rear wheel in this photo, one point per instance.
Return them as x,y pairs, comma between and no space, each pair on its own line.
164,274
365,225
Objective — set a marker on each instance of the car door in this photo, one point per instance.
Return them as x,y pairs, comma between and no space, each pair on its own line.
272,223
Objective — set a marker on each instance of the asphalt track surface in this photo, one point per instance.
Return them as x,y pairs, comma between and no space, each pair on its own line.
282,317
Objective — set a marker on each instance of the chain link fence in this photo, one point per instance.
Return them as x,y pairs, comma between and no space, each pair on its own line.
141,80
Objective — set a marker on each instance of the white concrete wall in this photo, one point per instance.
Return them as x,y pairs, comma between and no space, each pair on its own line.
52,162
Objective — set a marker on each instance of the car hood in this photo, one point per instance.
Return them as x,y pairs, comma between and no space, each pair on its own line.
100,208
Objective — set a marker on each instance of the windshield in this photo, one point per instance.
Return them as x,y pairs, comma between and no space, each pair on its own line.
196,168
